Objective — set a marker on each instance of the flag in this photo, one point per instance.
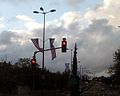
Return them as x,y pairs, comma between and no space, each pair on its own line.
67,69
36,44
53,51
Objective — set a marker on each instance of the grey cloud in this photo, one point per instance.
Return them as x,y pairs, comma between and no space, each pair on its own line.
55,30
70,3
6,36
74,3
100,25
98,55
14,50
55,3
95,55
38,32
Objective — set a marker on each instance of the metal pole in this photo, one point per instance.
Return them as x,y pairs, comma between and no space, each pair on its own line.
71,60
44,13
33,82
43,41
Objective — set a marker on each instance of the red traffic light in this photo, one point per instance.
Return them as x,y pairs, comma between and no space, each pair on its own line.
64,45
33,61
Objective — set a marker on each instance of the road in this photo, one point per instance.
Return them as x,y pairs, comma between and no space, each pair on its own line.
100,89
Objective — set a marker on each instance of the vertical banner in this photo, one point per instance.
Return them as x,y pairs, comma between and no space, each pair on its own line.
36,44
53,51
67,69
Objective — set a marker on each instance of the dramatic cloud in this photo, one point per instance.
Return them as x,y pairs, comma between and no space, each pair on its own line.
98,40
93,31
108,9
98,44
14,45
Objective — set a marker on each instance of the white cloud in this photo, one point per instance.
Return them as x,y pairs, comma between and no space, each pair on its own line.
28,22
33,25
109,9
2,22
1,18
24,18
2,25
69,18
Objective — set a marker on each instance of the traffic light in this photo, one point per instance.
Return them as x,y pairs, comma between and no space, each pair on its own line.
33,63
64,45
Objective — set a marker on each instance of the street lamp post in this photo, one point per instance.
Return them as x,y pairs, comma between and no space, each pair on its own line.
44,13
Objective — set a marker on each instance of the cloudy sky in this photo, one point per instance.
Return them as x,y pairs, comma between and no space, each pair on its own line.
92,24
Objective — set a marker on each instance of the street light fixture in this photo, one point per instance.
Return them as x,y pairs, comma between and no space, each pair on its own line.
44,13
41,9
37,12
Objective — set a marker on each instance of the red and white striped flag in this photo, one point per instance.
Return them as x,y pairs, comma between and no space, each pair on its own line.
53,51
36,44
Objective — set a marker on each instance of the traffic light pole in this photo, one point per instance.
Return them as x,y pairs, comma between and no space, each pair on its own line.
33,86
45,50
33,65
33,60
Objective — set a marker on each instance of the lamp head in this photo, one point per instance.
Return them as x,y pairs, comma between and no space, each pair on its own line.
35,12
53,10
41,9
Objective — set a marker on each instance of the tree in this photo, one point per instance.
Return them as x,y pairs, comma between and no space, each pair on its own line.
115,69
23,62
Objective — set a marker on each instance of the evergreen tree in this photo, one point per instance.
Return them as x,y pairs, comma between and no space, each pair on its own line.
115,69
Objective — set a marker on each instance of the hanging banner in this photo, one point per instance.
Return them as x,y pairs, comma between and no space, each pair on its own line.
67,69
36,44
53,51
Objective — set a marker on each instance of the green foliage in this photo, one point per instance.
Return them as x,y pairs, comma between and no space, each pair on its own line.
115,69
21,73
23,62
